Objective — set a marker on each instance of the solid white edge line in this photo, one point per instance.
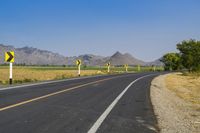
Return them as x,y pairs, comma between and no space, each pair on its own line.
100,120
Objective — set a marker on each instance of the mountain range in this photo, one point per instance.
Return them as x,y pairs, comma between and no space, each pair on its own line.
34,56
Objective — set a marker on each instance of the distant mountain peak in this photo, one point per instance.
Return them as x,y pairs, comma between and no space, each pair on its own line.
117,54
120,59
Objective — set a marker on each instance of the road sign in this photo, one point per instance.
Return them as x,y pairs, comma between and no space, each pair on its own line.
9,56
108,65
126,67
78,62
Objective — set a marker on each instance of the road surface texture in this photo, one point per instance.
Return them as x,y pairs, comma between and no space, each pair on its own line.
104,104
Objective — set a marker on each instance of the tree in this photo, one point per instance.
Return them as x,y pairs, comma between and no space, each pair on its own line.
190,54
172,61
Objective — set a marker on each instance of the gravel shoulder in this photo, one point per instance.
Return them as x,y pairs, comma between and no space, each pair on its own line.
174,114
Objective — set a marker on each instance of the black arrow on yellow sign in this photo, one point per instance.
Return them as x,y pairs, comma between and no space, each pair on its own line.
9,56
78,62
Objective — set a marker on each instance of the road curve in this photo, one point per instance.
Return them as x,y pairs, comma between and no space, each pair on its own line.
108,104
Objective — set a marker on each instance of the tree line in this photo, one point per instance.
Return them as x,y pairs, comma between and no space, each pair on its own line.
188,57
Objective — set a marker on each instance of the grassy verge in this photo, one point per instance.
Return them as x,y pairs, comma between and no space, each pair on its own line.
185,85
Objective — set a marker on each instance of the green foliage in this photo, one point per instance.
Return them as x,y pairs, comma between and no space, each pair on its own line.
189,57
172,61
190,54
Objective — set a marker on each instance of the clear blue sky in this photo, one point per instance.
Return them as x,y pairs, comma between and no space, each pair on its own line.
145,28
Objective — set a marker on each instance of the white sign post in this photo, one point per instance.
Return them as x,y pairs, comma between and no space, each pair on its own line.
10,72
126,67
139,68
79,70
154,68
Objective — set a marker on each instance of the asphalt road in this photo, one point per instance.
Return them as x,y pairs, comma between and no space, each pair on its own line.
105,104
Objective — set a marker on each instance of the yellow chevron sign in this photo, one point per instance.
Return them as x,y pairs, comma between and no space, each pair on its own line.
9,56
126,65
78,62
108,64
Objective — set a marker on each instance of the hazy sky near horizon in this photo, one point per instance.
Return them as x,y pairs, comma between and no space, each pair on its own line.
144,28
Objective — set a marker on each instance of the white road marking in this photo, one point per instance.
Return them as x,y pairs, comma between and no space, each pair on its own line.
100,120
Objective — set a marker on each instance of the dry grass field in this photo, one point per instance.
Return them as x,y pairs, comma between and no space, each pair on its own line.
186,86
23,74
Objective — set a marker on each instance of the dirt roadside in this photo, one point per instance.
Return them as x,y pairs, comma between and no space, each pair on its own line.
174,115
